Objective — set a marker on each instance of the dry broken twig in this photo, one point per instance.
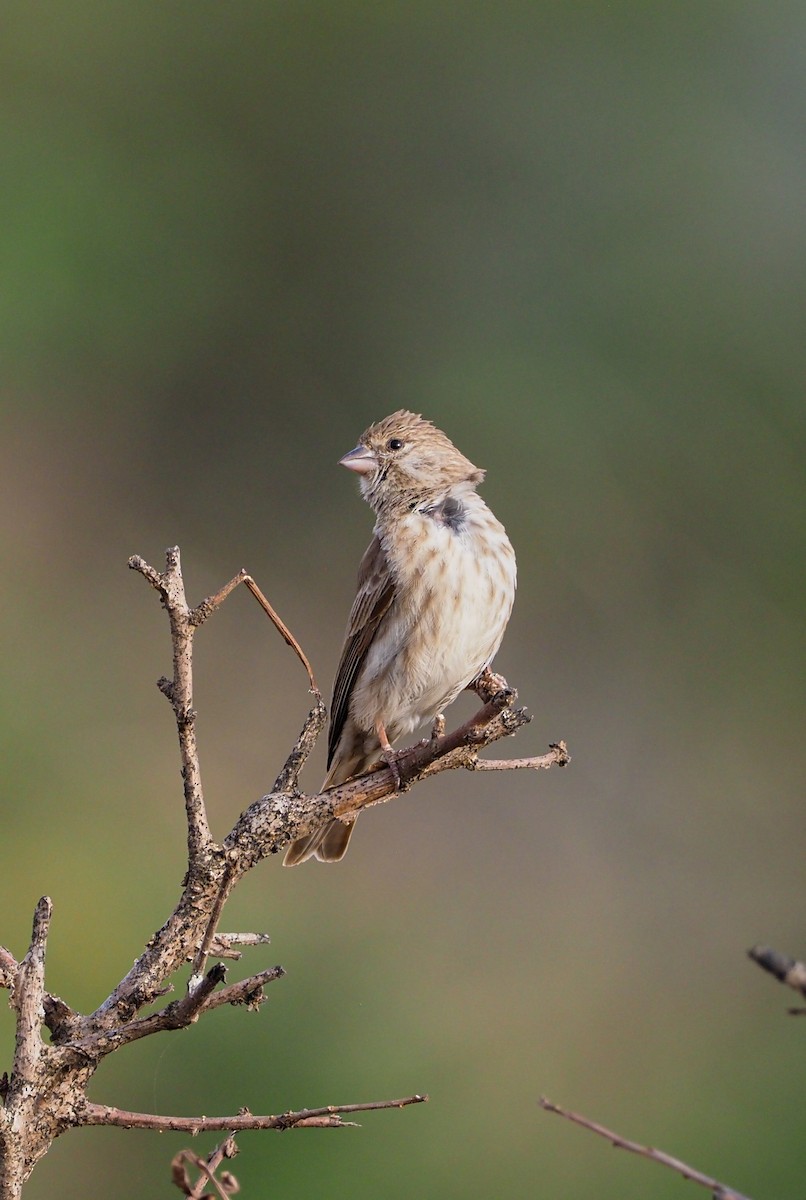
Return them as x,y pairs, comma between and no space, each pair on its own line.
45,1093
719,1191
227,1185
785,969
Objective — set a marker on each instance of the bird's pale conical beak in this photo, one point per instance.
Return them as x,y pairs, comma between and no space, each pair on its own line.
361,460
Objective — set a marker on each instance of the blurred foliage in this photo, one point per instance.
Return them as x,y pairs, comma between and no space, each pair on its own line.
572,235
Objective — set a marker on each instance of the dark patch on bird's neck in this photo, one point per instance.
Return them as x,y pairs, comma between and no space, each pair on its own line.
449,512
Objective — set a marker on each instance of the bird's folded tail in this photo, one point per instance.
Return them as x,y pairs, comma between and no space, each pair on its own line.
328,844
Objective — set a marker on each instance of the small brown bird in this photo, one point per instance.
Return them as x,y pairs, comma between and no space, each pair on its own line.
435,591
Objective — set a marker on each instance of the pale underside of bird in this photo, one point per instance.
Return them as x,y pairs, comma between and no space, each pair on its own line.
435,592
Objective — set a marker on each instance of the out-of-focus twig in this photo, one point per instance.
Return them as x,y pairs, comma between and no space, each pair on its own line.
719,1191
785,969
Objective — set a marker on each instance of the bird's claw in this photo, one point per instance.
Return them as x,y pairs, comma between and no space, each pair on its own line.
488,684
390,757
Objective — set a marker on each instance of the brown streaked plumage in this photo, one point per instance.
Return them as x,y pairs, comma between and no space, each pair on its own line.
435,592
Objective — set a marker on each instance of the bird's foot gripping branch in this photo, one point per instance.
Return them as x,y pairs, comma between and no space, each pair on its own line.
45,1092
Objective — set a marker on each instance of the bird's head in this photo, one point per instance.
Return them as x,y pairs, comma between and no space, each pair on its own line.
404,460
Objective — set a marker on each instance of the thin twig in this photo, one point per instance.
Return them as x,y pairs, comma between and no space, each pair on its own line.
245,991
222,945
557,756
288,779
179,691
89,1113
208,606
282,629
200,961
720,1191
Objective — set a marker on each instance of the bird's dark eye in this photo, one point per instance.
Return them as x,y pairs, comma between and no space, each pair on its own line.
395,444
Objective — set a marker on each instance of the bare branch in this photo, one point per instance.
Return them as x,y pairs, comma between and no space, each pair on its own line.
46,1092
785,969
179,691
288,779
208,606
177,1015
719,1190
282,629
279,817
88,1113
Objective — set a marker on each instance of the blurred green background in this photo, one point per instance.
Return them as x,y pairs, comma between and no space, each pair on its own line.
572,235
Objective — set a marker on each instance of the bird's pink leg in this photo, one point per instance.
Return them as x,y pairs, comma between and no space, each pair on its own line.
388,752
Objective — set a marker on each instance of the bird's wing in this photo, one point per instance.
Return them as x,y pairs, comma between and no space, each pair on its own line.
375,592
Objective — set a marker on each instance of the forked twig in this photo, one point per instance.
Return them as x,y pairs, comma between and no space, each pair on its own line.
207,1167
179,690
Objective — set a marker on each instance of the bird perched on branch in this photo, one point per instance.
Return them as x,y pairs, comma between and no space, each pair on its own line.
435,592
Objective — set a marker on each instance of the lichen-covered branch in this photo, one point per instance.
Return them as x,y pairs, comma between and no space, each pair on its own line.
28,999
